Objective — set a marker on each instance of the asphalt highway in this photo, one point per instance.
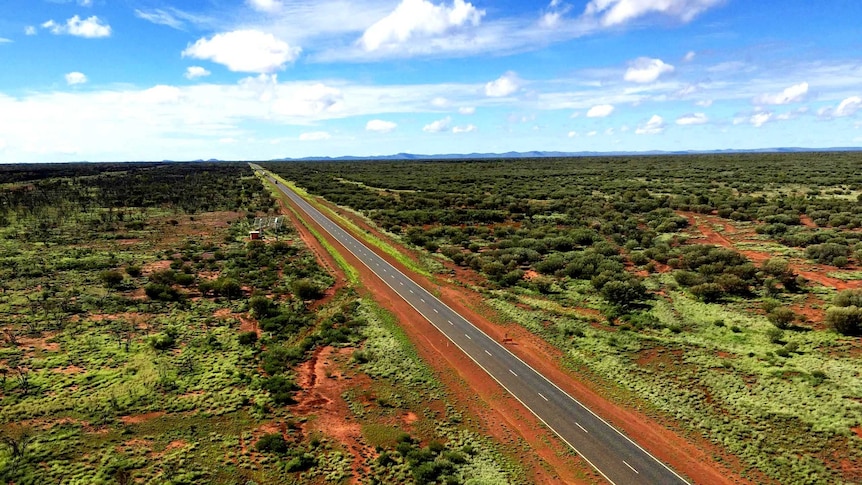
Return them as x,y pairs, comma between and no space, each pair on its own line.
616,457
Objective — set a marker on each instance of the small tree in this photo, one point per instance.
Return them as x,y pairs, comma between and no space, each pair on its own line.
111,278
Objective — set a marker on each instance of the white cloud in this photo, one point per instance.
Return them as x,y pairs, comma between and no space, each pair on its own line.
310,101
160,17
504,86
464,129
592,133
704,103
194,72
646,70
244,51
85,3
654,126
760,119
692,119
689,56
73,78
572,134
617,12
4,40
314,136
380,126
847,107
30,30
265,5
438,126
467,110
440,102
418,18
600,111
160,94
90,28
792,94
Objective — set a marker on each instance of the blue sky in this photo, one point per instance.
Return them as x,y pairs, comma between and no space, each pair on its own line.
106,80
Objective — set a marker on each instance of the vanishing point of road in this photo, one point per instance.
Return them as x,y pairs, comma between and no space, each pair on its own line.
616,457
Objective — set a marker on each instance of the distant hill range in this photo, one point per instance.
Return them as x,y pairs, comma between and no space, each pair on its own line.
540,154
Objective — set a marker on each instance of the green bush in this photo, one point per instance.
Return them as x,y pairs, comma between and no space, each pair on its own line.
247,338
845,320
272,443
305,289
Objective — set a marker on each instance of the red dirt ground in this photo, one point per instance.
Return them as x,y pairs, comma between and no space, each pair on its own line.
140,418
810,271
322,386
692,459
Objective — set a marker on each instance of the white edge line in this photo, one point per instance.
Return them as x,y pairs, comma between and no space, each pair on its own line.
503,348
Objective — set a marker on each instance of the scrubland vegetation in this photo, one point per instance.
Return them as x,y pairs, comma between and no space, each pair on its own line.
719,292
146,340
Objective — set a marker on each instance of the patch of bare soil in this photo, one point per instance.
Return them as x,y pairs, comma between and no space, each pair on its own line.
155,266
141,418
248,324
322,385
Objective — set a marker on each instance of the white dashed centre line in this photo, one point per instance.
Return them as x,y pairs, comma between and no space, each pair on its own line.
469,337
436,311
450,322
422,300
513,373
489,353
633,468
582,428
542,396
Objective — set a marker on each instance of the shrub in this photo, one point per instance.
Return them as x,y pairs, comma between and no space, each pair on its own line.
848,298
273,443
305,289
133,271
845,320
708,292
281,389
111,278
248,338
782,317
158,291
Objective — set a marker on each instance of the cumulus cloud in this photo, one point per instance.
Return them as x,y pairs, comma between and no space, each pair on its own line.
244,51
194,72
646,70
314,136
600,111
609,13
464,129
847,107
654,126
30,30
73,78
689,56
438,126
90,28
419,19
380,126
792,94
467,110
692,119
504,86
268,6
572,134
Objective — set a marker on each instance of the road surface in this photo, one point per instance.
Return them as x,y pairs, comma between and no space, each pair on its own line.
616,457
